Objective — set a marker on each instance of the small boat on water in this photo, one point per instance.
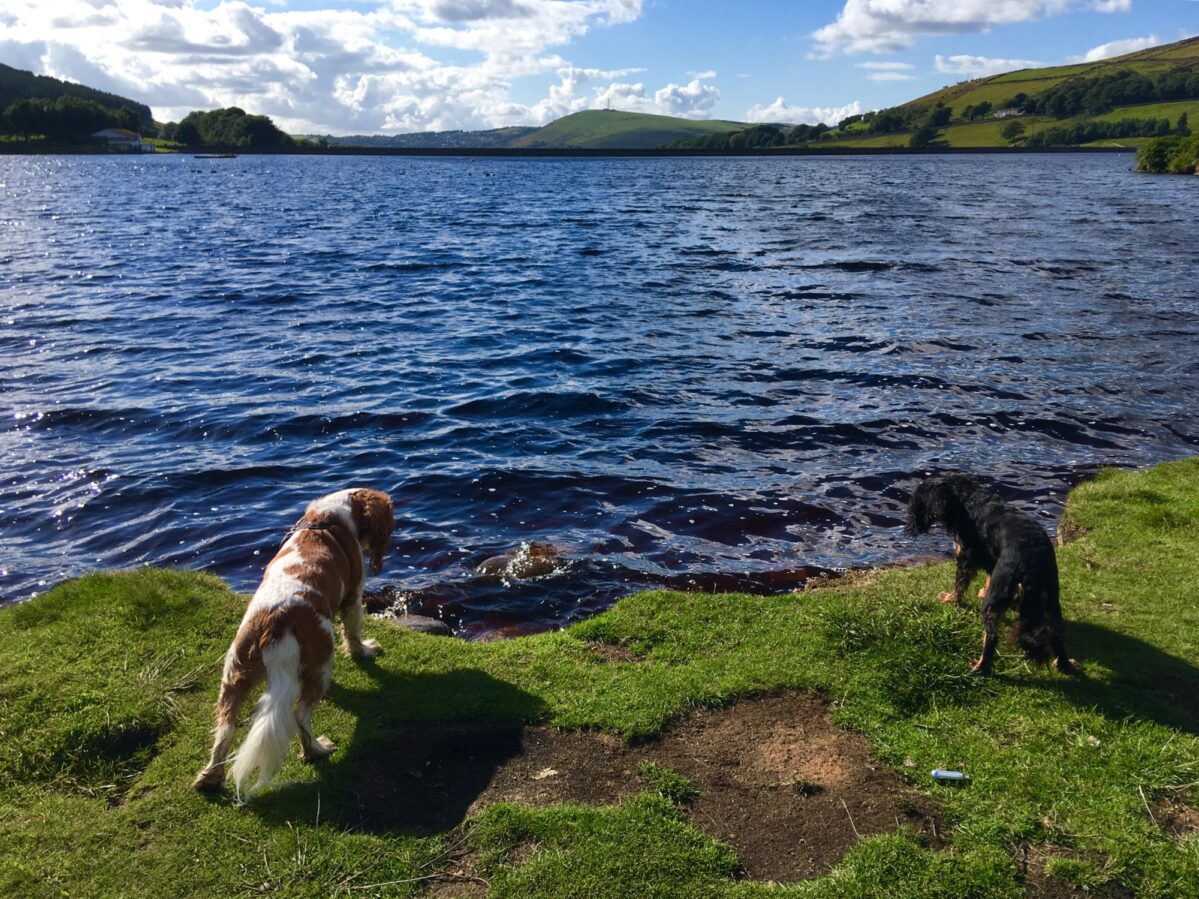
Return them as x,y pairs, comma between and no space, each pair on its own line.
214,155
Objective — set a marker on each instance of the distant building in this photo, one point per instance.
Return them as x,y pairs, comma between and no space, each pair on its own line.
1009,113
120,139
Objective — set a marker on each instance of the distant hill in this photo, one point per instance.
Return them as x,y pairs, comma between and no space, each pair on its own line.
604,129
17,84
1096,97
496,137
1034,82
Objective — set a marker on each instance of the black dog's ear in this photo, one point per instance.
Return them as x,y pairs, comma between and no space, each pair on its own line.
927,507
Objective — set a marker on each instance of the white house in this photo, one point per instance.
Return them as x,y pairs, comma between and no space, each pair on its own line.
120,139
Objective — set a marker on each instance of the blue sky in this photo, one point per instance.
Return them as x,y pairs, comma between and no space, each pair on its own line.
384,66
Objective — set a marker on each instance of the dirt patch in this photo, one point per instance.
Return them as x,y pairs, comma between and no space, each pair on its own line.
1176,819
1069,530
613,652
778,781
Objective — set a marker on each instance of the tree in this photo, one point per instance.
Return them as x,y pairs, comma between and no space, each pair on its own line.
1184,127
978,111
188,132
923,136
1012,131
940,116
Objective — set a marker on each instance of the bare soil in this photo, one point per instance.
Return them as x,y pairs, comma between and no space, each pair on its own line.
778,781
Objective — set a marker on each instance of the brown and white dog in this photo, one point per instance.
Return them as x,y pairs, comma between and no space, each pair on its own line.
286,634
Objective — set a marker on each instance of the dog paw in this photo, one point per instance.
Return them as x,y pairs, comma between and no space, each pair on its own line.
210,780
980,668
366,649
1069,666
320,748
948,598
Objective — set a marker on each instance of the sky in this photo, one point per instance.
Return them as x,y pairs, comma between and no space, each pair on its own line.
392,66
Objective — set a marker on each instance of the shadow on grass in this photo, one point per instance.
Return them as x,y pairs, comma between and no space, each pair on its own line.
424,747
1146,683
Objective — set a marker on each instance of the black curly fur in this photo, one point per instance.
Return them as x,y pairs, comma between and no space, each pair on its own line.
1015,552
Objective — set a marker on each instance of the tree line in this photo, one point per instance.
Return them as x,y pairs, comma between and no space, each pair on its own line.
1086,132
19,84
1095,96
66,118
228,127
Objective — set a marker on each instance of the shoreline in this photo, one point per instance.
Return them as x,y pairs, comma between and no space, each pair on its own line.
660,748
579,152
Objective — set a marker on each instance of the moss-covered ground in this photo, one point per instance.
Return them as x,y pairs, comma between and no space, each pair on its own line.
107,685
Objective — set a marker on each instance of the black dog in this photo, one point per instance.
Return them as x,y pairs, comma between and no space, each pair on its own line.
1015,552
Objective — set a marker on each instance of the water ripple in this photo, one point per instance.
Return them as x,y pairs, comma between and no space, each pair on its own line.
702,374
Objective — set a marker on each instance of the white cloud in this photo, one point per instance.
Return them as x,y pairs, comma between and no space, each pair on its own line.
706,73
980,66
1117,48
887,71
692,100
780,111
384,65
884,26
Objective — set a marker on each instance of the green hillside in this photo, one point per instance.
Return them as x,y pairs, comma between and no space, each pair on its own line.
1124,102
611,129
17,84
998,88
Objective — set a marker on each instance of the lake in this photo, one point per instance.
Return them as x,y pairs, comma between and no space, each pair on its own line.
692,373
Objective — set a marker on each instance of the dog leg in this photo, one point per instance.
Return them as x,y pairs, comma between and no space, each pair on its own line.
315,676
982,594
990,641
1063,662
233,694
1002,590
351,626
966,570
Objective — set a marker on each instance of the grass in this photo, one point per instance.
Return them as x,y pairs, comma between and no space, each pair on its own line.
108,683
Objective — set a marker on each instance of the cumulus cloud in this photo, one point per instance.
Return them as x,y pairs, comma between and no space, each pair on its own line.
981,66
692,100
1118,48
885,26
781,111
390,65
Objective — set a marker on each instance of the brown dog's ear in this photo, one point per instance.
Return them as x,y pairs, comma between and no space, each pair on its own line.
375,520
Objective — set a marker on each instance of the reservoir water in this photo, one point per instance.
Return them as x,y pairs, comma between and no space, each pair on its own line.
694,373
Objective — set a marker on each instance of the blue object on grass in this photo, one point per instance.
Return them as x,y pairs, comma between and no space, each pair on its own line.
950,776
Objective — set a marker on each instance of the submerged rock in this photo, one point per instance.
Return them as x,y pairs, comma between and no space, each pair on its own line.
534,559
422,623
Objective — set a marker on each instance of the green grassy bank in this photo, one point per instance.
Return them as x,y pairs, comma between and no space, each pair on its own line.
107,686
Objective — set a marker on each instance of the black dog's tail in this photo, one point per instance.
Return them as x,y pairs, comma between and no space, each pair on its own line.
1036,638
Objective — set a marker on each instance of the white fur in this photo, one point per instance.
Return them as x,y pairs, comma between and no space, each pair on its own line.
339,504
265,747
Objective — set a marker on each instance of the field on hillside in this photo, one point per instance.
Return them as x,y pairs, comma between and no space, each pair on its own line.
1000,88
987,133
